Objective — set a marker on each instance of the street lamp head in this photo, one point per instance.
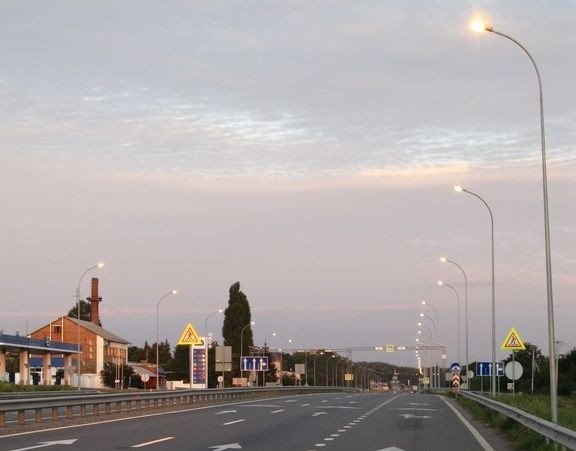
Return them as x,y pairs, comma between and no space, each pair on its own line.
458,188
478,25
174,291
220,310
100,265
419,323
440,283
422,315
443,259
252,323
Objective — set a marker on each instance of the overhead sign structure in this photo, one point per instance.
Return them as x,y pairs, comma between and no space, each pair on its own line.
513,342
485,369
254,363
190,337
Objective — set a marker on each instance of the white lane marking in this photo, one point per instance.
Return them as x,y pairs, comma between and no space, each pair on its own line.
305,405
420,409
315,414
320,444
233,422
408,416
290,400
324,400
153,442
328,439
277,411
334,435
341,430
226,411
481,441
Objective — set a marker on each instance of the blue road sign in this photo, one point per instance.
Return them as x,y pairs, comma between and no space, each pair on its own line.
254,363
455,368
485,368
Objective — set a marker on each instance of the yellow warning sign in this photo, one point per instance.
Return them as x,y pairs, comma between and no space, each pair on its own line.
513,342
190,336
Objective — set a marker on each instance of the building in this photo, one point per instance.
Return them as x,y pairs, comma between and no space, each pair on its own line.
97,345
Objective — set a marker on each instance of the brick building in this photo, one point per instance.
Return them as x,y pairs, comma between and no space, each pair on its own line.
98,346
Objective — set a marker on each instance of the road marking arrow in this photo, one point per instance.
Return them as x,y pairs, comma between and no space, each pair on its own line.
408,416
224,447
392,448
45,444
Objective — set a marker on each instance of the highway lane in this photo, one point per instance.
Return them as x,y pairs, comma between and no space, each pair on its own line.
331,422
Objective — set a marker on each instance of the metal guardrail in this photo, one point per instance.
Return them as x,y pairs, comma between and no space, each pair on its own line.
135,402
558,434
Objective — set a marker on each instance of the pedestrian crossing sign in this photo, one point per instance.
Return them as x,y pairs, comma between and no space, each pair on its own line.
190,336
513,342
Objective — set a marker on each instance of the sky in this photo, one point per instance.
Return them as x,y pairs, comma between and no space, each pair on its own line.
307,149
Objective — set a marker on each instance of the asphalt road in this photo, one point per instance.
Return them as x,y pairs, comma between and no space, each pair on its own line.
331,422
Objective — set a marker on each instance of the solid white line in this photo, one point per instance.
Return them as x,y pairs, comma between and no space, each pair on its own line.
482,442
277,411
232,422
153,442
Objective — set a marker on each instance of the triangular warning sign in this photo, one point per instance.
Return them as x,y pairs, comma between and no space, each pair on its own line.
190,336
513,342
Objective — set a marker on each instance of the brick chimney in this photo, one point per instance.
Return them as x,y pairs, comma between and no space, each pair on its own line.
94,301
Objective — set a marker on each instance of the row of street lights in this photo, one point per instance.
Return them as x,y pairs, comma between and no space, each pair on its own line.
479,26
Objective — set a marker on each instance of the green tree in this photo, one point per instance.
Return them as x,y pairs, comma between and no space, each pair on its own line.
567,373
113,373
237,318
178,368
84,311
540,364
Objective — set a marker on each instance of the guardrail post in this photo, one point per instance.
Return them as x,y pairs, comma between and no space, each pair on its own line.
21,417
118,406
107,408
83,410
54,413
38,415
2,419
69,412
95,410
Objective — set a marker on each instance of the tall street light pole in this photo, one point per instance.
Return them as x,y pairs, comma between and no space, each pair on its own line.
460,189
78,369
447,260
158,338
479,26
444,284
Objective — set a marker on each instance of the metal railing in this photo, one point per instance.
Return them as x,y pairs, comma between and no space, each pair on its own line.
96,404
558,434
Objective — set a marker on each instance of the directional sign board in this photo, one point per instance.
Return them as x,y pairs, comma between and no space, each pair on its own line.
254,363
513,342
485,368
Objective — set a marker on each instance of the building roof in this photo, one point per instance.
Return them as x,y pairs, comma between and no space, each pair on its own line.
95,328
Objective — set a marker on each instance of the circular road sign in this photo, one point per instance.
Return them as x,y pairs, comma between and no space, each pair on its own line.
145,377
455,368
513,370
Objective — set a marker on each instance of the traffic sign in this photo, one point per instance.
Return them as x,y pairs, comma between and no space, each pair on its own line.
455,368
485,368
390,348
456,382
513,342
514,370
190,336
254,363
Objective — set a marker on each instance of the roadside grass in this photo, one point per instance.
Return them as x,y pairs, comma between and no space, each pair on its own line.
521,437
7,387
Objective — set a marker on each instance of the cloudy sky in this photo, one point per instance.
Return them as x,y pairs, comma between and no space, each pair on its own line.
307,149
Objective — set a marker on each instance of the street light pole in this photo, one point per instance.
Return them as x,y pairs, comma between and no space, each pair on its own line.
478,26
251,323
460,189
79,355
444,260
206,322
444,284
157,337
